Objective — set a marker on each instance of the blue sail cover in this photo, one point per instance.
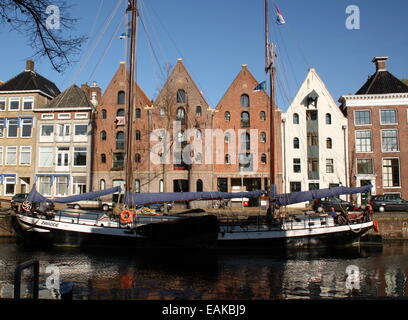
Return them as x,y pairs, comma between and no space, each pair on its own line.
297,197
35,196
135,199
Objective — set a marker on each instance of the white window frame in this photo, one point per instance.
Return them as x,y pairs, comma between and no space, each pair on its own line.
81,115
77,185
1,155
47,116
64,116
388,124
3,123
381,140
4,99
56,179
372,167
8,131
399,172
40,185
21,128
21,153
80,137
73,156
50,152
7,152
13,99
28,99
44,138
372,142
10,182
362,125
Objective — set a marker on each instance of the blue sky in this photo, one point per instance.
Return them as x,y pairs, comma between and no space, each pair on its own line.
215,37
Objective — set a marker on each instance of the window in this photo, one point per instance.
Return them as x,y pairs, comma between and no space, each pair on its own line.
263,158
297,165
63,132
329,143
296,143
328,118
391,173
314,186
11,155
26,126
227,137
295,118
138,158
62,158
138,135
227,159
199,134
181,115
118,160
198,157
365,166
103,158
120,140
162,112
47,130
14,104
227,116
363,141
64,116
2,126
120,113
137,185
244,100
389,140
245,122
311,115
47,116
45,157
388,116
362,117
79,156
79,184
199,185
263,136
10,185
12,125
61,183
2,104
262,116
329,166
102,184
25,155
295,186
121,97
312,139
81,130
103,135
245,141
181,96
104,114
198,111
161,185
138,113
81,115
1,155
28,103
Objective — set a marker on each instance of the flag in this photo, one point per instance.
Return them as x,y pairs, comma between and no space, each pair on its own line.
279,19
261,86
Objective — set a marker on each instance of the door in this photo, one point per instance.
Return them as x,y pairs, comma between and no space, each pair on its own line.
62,159
367,195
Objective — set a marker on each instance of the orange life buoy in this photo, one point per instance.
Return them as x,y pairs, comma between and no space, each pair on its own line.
126,216
376,227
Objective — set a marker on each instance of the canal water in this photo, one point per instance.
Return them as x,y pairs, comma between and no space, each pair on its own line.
362,272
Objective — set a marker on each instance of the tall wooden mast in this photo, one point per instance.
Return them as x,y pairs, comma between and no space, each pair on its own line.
270,68
132,8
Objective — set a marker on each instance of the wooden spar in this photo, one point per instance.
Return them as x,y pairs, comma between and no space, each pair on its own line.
130,97
270,68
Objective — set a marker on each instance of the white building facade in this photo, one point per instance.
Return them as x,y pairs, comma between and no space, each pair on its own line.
314,134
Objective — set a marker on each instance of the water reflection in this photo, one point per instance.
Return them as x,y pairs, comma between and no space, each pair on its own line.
365,272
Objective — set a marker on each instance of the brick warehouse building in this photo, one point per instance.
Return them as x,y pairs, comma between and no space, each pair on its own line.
243,114
378,133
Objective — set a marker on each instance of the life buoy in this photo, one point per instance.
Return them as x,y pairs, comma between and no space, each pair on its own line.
126,216
375,226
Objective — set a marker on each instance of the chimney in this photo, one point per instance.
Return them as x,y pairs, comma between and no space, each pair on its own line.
29,65
380,63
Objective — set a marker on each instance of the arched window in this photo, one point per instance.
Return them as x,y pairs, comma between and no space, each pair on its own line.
227,159
296,144
138,135
137,185
329,143
263,158
120,113
138,158
227,137
162,112
198,111
245,119
199,185
161,185
120,140
138,113
181,115
181,96
103,158
104,114
262,115
245,141
244,100
198,134
227,116
295,118
263,136
103,135
102,185
328,118
121,97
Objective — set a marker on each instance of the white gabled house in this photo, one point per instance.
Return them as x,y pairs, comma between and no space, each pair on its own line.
314,139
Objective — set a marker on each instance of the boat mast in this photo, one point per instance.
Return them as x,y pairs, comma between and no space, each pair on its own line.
270,68
132,8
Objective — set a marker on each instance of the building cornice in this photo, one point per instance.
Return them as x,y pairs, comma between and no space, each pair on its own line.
367,100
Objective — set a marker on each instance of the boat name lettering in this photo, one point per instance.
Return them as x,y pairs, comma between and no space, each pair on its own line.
49,223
